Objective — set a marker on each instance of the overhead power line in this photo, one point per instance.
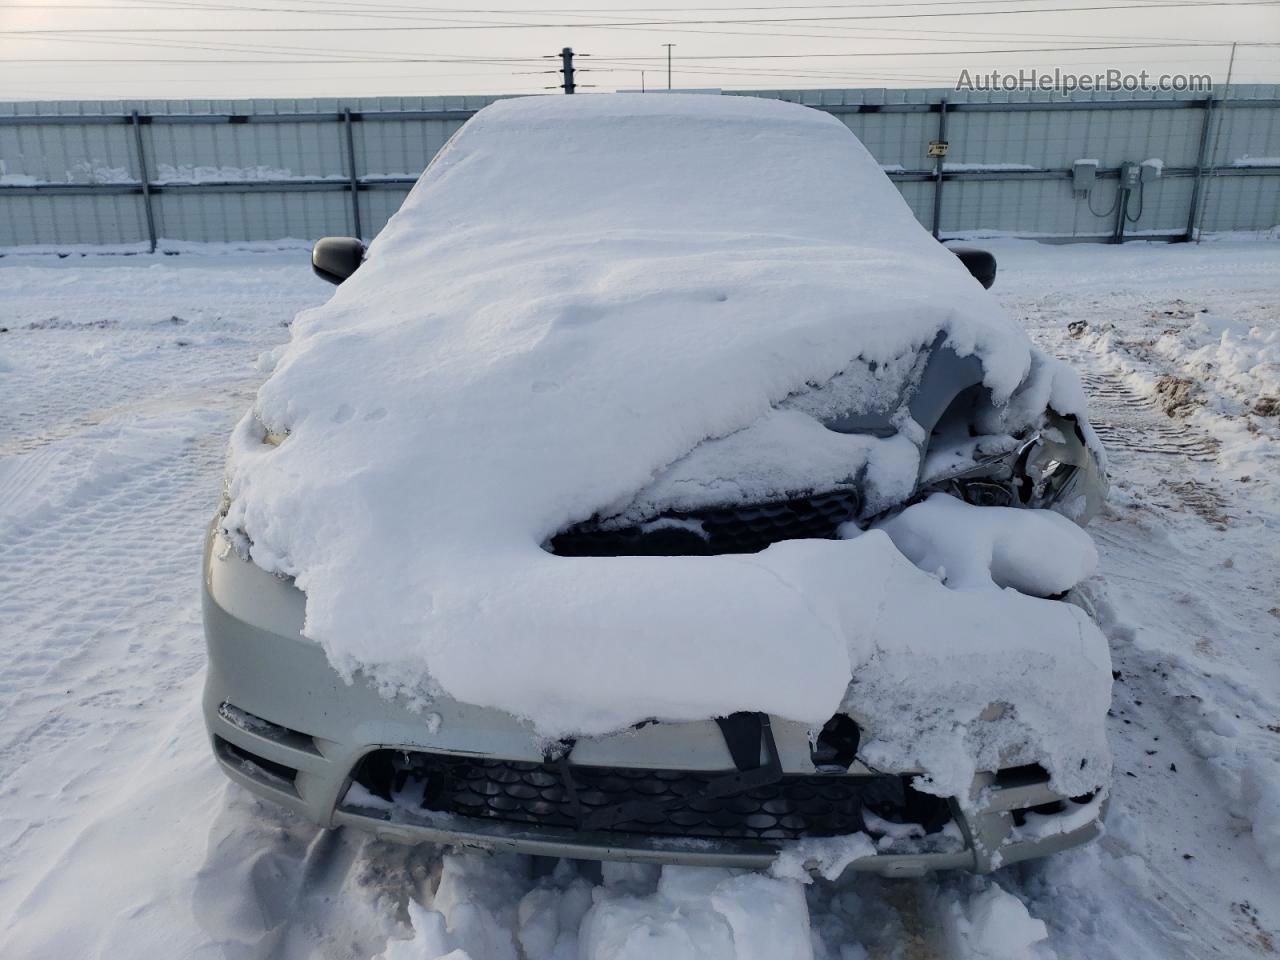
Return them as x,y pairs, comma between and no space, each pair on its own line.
277,49
940,53
1160,4
766,56
345,5
382,11
913,34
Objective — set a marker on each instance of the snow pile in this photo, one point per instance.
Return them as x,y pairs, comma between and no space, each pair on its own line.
994,925
1249,775
1231,357
1038,552
493,908
1245,363
587,298
701,914
639,913
1261,796
961,680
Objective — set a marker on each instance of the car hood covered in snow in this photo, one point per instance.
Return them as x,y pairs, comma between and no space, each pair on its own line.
586,298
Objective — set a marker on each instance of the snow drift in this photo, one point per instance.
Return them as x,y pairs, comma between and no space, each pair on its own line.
587,298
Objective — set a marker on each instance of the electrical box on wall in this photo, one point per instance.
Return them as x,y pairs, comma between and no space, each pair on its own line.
1083,174
1129,174
1151,169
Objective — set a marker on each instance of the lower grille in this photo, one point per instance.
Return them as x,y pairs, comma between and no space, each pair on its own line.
738,529
264,771
540,794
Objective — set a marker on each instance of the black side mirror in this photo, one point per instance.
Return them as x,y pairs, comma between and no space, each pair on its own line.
336,258
979,263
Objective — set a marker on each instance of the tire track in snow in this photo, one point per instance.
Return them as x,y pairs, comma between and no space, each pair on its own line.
110,466
235,395
1123,418
1193,690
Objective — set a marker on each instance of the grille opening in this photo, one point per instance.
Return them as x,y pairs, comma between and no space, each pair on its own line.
536,794
257,768
1023,776
1050,809
836,746
710,532
1044,809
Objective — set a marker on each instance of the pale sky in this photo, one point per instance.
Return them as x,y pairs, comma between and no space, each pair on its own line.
97,49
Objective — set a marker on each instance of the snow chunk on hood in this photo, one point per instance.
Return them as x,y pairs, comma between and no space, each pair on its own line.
972,547
578,293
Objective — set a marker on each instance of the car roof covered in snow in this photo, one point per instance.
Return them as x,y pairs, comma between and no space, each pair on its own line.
684,163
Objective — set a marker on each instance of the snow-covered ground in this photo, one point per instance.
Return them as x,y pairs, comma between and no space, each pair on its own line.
120,379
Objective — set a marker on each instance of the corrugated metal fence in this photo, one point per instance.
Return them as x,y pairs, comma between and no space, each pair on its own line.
131,174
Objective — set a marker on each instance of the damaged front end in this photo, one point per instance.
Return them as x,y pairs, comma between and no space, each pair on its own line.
739,790
1052,468
1021,454
964,443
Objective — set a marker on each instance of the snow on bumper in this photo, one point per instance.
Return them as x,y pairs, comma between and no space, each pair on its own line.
286,726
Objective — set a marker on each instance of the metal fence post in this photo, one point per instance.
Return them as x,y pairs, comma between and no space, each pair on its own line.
351,167
937,170
145,177
1193,215
1122,213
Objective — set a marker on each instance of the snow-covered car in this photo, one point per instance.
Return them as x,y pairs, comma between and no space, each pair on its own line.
657,489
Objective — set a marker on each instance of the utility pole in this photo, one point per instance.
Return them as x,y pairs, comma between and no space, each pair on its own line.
1217,135
668,46
566,57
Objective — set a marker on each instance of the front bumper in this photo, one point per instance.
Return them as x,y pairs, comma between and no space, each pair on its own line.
288,728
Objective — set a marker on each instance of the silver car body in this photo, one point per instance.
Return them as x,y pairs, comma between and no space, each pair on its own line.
729,791
287,727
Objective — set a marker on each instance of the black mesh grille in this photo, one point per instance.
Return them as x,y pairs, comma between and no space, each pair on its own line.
537,794
738,529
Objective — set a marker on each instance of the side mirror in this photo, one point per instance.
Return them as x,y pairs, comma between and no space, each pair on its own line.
979,263
336,258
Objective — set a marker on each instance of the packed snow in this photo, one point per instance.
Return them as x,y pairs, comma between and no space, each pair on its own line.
122,377
82,171
590,306
955,166
1248,161
224,173
1039,553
